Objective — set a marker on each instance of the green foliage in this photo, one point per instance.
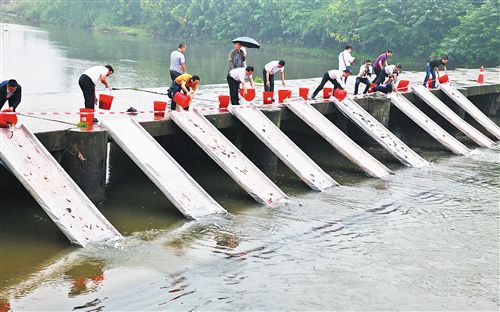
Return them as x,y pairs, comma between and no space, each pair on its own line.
476,40
466,29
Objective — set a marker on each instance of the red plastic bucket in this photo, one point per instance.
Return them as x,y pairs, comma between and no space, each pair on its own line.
403,85
340,94
327,93
304,93
267,97
181,99
7,118
87,116
372,85
250,94
105,101
224,101
284,94
159,108
429,83
444,79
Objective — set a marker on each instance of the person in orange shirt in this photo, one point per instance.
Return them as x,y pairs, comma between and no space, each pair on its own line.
185,83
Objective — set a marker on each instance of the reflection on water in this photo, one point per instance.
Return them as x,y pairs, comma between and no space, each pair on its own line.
431,232
52,60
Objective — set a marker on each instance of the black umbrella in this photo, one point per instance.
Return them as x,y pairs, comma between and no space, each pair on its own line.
247,42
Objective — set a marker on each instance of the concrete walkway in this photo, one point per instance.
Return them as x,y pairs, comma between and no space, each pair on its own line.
206,98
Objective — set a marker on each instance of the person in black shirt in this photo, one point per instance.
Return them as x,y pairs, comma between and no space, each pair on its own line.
10,90
432,66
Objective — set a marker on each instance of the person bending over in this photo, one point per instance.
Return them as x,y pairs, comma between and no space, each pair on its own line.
336,77
10,91
89,79
185,83
270,69
431,67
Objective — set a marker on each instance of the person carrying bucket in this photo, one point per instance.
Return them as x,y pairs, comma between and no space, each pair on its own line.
10,91
178,62
365,71
270,69
386,71
432,66
88,80
346,60
380,63
336,77
185,83
236,77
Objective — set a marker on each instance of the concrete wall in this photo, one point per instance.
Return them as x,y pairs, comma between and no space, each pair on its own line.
84,154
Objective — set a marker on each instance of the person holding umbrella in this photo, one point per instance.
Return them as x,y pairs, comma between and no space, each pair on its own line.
238,56
236,77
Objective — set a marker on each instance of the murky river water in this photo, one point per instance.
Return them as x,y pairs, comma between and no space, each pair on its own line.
425,239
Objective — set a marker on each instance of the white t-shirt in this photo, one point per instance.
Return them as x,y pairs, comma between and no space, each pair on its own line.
345,55
95,73
362,69
176,59
389,69
239,74
272,67
337,75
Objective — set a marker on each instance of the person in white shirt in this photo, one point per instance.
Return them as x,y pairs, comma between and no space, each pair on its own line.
270,69
178,62
89,79
336,77
346,60
365,71
386,71
235,77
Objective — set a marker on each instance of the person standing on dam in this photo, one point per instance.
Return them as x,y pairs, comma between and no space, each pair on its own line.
10,91
380,63
336,77
185,83
346,60
270,69
432,66
88,80
235,77
178,62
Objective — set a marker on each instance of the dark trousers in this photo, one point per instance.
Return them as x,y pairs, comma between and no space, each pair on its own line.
325,79
88,89
430,71
174,74
382,77
384,89
174,88
234,89
365,80
271,81
377,74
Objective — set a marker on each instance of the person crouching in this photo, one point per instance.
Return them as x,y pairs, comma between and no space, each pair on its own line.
185,83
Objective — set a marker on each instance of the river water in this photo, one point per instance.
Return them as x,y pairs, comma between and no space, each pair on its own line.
425,239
